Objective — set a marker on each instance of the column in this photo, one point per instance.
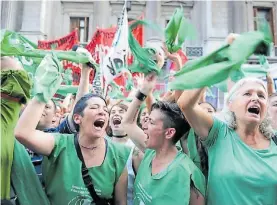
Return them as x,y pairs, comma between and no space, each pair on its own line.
31,20
101,14
152,13
8,9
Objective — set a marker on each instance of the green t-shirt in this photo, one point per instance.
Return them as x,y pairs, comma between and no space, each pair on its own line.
63,179
193,152
239,174
15,84
170,186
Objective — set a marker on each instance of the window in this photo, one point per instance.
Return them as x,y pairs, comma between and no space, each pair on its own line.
263,13
129,20
81,23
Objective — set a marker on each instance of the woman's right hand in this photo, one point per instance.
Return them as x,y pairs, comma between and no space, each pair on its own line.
174,57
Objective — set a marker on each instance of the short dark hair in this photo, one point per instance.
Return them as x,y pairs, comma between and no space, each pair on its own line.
208,104
173,118
82,104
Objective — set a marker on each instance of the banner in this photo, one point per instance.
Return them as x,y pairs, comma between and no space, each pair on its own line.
116,59
99,47
64,43
103,38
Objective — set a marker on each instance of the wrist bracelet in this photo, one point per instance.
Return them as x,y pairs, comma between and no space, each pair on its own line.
140,96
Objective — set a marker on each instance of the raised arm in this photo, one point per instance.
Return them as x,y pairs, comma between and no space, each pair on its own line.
135,133
46,82
198,119
270,84
83,89
26,133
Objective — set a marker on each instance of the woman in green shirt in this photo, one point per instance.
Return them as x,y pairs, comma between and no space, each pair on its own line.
242,156
165,174
104,159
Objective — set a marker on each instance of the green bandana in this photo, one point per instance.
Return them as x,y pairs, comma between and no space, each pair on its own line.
143,62
65,89
177,30
217,66
48,78
13,44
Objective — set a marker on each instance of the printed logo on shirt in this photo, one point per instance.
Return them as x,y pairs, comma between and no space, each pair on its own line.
142,196
80,200
83,197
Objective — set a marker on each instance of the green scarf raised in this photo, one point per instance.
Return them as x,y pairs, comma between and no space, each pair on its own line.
217,66
14,44
143,62
177,30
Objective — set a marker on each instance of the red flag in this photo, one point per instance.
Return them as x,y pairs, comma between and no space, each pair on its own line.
66,43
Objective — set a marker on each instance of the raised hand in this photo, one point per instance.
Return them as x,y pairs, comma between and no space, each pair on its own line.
175,57
149,83
139,79
231,37
85,52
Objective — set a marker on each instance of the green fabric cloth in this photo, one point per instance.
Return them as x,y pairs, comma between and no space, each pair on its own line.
143,62
170,186
217,66
192,147
66,89
24,178
255,71
239,174
14,44
16,84
12,38
177,30
67,77
48,78
63,178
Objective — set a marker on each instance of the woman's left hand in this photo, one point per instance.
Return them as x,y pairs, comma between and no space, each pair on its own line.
149,83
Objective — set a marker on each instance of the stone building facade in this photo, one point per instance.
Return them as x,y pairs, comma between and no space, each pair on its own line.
46,19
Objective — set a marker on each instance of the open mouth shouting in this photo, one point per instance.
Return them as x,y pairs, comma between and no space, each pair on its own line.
254,110
99,124
116,121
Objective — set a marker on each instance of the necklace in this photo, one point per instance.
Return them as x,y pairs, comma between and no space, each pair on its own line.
90,148
120,136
